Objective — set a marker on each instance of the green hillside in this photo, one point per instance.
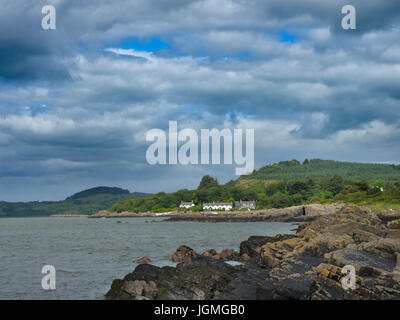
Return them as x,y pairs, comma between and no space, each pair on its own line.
317,168
85,202
279,185
96,191
289,183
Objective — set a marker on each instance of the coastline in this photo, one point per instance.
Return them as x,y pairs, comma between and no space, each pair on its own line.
291,214
127,214
68,215
304,266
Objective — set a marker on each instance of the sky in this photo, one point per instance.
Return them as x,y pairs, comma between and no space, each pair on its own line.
76,102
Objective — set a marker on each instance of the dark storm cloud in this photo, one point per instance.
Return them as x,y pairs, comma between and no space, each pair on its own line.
30,53
76,102
27,52
371,14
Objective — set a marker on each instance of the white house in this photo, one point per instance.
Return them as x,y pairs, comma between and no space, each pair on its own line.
249,205
186,205
217,206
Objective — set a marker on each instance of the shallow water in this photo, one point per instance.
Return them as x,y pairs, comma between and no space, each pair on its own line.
89,253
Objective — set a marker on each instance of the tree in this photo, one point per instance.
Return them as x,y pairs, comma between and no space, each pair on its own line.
183,195
297,187
379,183
333,184
275,187
357,186
306,161
207,182
280,200
247,194
202,195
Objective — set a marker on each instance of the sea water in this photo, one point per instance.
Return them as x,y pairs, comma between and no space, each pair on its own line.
89,253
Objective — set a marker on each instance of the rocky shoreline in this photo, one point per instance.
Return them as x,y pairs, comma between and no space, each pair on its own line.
126,214
292,214
68,216
306,265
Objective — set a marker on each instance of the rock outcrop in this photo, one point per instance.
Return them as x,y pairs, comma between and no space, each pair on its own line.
251,247
225,255
307,265
180,254
143,260
197,278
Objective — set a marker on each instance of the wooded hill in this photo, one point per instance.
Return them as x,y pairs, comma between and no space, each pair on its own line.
85,202
278,185
289,183
317,168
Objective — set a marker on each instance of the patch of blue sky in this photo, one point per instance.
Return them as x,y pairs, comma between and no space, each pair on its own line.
242,56
148,45
193,107
81,46
285,36
35,108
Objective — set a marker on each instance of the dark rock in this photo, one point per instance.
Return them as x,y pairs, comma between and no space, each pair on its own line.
143,270
229,254
250,246
181,253
225,255
365,263
140,289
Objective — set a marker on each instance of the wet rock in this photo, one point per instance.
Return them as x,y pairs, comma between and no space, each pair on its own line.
143,260
181,253
210,253
202,278
145,270
245,257
229,254
224,255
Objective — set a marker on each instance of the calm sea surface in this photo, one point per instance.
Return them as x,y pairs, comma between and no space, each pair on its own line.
89,253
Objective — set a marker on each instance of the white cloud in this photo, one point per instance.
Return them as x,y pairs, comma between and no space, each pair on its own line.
131,52
374,132
61,164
